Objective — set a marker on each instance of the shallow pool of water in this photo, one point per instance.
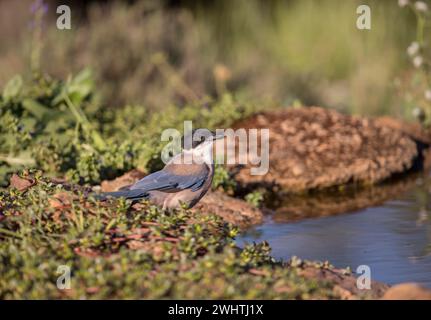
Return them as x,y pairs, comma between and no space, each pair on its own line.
393,238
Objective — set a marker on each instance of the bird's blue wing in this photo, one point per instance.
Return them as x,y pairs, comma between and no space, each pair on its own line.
174,177
128,194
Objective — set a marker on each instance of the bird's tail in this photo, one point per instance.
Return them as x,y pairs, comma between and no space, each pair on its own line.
135,194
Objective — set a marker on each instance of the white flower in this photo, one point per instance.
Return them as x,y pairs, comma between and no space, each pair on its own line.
417,61
403,3
417,113
421,6
413,49
428,94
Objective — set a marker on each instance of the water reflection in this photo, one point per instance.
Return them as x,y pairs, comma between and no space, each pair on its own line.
386,227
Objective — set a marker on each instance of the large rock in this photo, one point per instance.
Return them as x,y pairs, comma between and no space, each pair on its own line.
315,148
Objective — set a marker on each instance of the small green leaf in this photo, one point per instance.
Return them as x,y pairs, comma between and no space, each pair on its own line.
80,86
37,109
13,88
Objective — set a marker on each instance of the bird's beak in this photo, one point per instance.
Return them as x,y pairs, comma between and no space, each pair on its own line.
219,136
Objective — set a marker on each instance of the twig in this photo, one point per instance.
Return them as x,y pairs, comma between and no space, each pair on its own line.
10,233
18,161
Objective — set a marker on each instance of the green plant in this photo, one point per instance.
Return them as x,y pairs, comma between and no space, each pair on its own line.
117,250
255,198
62,128
43,125
223,180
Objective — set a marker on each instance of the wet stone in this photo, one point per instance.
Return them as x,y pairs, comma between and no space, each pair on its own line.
316,148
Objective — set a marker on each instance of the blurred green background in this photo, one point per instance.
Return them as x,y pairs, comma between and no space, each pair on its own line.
160,53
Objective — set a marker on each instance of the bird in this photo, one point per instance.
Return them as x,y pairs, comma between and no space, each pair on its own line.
180,182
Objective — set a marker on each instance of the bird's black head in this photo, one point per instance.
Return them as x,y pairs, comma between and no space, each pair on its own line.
197,137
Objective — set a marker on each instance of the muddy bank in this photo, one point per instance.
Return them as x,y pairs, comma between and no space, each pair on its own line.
316,148
120,250
344,284
407,291
102,236
235,211
341,282
347,289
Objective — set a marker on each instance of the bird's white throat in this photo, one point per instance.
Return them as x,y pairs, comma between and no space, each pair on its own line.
204,151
